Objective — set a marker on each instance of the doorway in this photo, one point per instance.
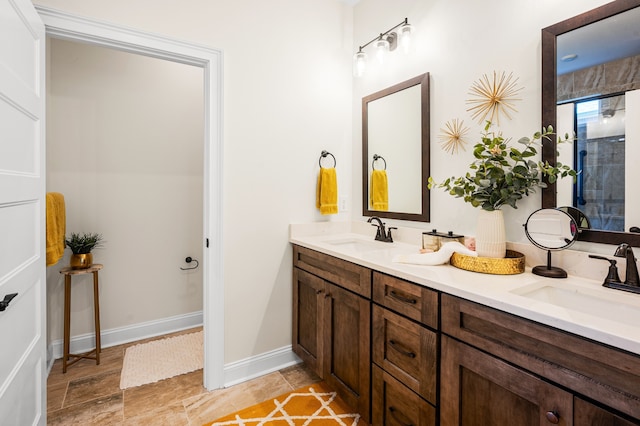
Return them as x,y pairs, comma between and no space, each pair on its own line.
74,28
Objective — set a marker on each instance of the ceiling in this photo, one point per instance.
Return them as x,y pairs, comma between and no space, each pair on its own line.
604,41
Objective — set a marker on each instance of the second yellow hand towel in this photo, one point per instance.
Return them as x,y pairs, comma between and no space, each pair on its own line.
56,227
327,191
379,192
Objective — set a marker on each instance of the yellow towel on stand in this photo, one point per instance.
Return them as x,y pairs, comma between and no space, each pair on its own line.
56,227
327,191
379,191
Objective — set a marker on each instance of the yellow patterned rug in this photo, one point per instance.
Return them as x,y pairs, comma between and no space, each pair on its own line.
311,405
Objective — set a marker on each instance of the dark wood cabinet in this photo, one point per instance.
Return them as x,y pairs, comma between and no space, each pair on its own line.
479,389
410,300
501,367
347,319
332,323
403,354
588,414
395,405
407,350
308,319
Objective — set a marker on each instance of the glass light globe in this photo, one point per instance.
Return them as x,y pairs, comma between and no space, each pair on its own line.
382,47
359,63
405,34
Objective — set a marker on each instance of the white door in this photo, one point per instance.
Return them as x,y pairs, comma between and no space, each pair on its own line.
22,188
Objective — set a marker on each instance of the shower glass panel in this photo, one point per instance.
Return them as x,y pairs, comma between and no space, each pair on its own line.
599,154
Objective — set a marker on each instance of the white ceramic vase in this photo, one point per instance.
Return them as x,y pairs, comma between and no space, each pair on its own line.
491,239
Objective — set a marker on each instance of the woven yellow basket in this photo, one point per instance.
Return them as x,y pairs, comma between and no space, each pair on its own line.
512,264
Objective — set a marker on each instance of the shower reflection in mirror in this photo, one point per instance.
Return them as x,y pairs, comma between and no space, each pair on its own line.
600,153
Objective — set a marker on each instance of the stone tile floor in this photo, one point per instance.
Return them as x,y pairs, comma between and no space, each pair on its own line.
90,394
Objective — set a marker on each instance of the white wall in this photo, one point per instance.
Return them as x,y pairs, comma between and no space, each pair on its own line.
457,42
289,93
287,96
125,147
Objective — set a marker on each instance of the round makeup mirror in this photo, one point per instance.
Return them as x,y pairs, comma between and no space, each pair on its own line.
551,230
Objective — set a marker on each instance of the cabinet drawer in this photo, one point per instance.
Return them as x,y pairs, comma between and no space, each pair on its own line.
394,404
602,373
411,300
346,274
406,350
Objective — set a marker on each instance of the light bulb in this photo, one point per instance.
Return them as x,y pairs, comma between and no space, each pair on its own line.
382,47
405,34
359,63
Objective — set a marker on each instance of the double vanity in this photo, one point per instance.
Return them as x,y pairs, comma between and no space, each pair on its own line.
425,345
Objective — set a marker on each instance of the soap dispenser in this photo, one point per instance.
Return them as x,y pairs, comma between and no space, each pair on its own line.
612,275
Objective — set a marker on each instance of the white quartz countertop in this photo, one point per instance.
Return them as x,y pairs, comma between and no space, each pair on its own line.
574,304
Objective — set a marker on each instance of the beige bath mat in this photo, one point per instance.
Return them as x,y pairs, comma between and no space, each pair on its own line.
161,359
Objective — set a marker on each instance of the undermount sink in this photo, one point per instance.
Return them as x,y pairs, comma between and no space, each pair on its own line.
359,245
613,305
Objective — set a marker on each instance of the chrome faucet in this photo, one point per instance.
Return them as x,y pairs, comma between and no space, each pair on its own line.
631,278
382,234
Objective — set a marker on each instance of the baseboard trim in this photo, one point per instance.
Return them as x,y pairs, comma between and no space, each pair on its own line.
130,333
234,373
259,365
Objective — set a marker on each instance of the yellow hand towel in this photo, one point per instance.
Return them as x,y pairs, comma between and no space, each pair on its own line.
379,191
56,227
327,191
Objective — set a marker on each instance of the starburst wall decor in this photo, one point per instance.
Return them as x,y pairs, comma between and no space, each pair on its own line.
493,97
452,137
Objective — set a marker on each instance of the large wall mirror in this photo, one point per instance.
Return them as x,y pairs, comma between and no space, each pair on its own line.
395,148
591,86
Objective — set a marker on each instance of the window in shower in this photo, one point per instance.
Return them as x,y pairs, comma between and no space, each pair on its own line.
600,155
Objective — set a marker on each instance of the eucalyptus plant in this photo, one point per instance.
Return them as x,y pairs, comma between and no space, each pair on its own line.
502,174
83,244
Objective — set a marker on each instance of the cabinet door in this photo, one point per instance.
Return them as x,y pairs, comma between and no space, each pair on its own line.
393,404
587,414
346,347
308,300
478,389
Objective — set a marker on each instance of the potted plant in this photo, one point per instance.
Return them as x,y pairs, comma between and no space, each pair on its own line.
500,175
81,246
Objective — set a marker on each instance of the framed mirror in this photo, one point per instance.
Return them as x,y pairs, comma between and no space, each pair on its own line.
395,151
578,55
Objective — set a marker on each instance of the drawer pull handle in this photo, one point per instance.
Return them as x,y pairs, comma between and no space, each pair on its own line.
395,413
553,417
404,299
404,352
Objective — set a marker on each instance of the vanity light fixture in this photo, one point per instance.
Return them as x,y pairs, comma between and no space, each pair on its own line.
386,42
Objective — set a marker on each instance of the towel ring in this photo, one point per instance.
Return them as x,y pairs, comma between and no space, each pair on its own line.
377,157
323,154
190,259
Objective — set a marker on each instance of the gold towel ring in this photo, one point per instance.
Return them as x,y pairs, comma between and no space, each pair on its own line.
323,154
377,157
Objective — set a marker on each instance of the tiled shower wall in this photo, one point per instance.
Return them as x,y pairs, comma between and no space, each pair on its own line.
603,181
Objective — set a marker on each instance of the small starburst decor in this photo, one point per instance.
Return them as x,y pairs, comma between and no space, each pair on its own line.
493,97
452,136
